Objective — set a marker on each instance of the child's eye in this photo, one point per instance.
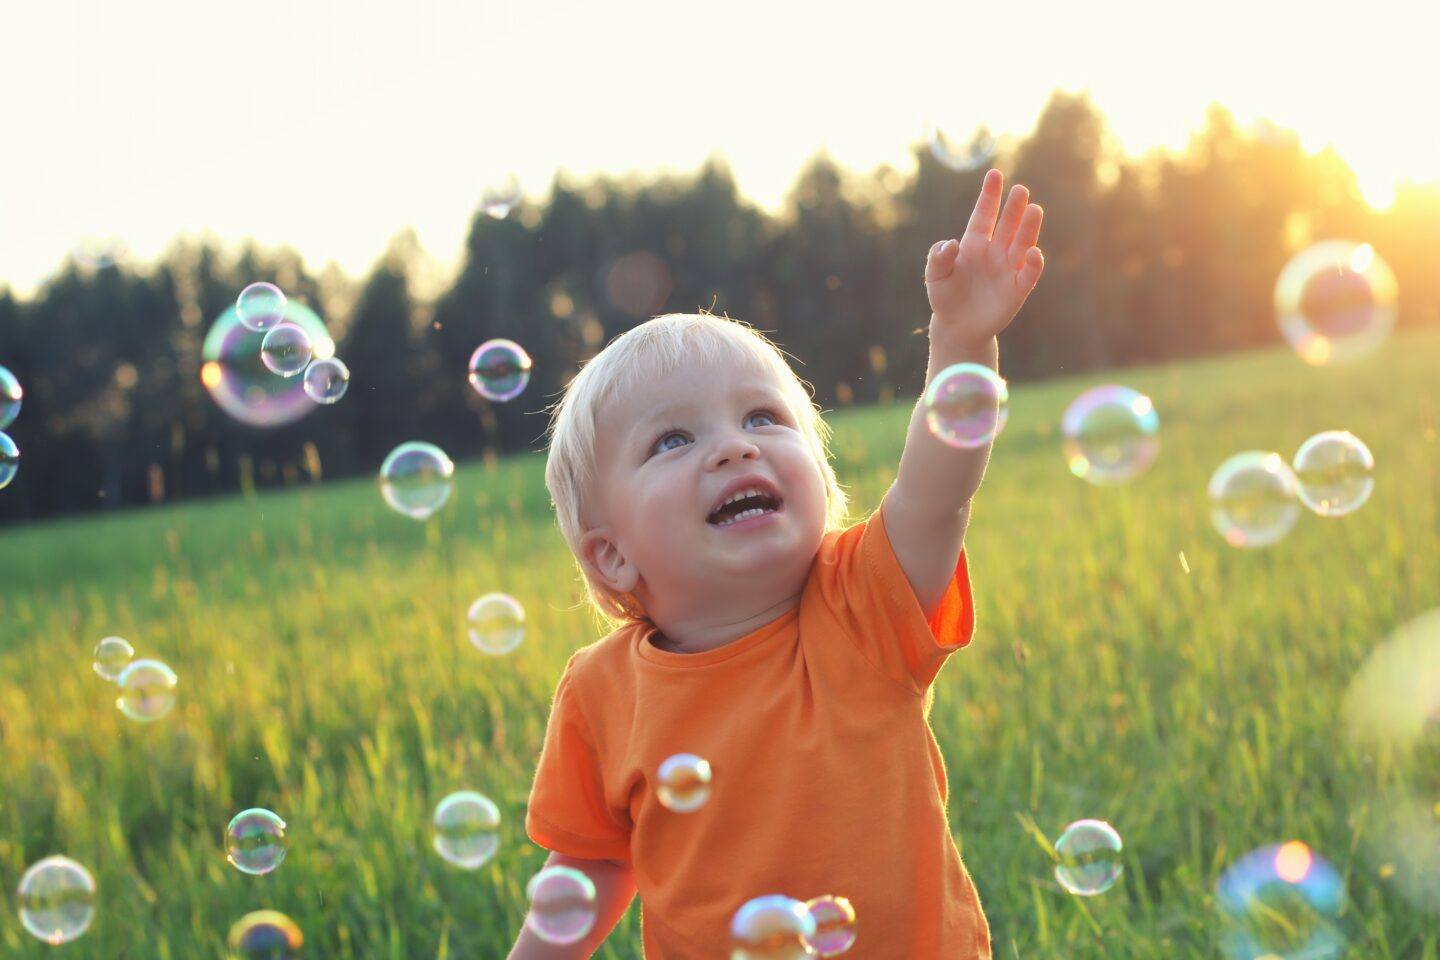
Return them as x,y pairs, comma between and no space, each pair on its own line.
661,445
766,414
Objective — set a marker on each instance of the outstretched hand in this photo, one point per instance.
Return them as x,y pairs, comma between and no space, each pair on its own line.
977,284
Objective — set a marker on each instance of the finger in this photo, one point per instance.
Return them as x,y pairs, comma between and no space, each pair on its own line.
941,261
987,205
1015,208
1029,274
1027,234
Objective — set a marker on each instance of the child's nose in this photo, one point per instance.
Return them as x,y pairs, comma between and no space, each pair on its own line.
733,447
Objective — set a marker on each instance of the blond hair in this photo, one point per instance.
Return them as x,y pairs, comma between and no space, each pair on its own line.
650,349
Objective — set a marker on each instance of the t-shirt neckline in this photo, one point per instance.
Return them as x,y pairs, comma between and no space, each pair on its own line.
734,648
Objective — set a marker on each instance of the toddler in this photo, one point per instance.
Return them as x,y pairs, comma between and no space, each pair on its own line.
689,470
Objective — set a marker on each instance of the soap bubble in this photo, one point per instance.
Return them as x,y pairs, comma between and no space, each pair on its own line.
974,156
1253,499
497,623
255,841
416,479
1088,857
499,369
1336,301
1282,902
286,349
562,905
1391,715
260,306
147,690
966,405
1335,473
112,656
772,927
497,201
1110,435
265,935
327,380
834,925
684,783
57,900
467,829
238,379
9,460
11,396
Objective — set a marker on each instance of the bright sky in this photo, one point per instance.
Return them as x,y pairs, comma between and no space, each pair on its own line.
330,126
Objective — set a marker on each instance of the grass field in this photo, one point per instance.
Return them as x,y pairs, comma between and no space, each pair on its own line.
325,674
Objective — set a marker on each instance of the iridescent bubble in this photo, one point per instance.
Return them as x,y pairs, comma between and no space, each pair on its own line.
977,154
1335,471
499,369
497,623
966,405
497,201
255,841
1391,714
834,925
1282,902
1110,435
772,927
238,379
57,900
327,380
416,479
147,690
265,935
1088,857
467,829
11,396
9,460
1253,499
286,349
1336,301
562,905
112,656
261,306
683,783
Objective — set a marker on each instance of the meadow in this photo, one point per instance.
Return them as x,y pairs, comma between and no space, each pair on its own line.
1128,665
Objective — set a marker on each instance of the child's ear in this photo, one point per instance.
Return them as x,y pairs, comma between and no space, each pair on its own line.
603,557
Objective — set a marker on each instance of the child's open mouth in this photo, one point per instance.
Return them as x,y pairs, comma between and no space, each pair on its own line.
744,505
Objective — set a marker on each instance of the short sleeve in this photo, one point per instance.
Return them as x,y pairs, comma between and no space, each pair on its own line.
568,812
861,580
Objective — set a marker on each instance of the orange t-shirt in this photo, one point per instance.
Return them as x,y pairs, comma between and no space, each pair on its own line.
826,776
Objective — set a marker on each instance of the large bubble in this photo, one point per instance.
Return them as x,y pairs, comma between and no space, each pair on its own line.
147,690
772,927
112,656
562,905
1110,435
1335,301
499,369
255,841
238,379
467,829
1088,857
9,460
966,405
417,479
265,935
1253,499
57,900
11,396
1282,902
683,783
1392,718
497,623
1335,471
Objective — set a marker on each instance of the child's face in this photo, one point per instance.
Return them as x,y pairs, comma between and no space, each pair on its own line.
669,452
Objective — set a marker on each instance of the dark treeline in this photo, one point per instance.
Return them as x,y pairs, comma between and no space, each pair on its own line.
1147,259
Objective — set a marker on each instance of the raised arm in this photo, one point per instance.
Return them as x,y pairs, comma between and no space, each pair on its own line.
614,889
976,285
